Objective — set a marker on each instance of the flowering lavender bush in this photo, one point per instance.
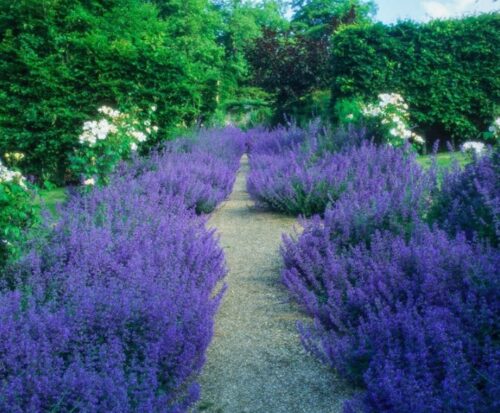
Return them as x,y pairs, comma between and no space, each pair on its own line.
293,183
228,143
275,141
285,174
387,190
414,321
113,310
307,178
202,180
201,170
398,308
469,199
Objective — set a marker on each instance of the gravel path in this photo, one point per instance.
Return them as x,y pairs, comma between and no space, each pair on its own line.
256,362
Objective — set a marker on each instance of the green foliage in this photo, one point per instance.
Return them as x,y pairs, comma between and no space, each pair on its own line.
444,160
17,214
51,198
191,30
61,59
314,105
293,63
447,70
348,111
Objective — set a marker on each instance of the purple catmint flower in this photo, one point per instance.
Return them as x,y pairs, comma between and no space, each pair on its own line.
306,178
469,199
398,308
112,311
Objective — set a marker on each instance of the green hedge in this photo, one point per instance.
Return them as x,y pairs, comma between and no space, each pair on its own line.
62,59
447,70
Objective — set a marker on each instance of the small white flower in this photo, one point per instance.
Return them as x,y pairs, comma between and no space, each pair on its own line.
140,136
153,108
372,111
350,116
112,113
155,128
94,131
133,146
89,181
418,139
407,134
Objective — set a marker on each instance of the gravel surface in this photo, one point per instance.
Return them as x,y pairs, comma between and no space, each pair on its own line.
256,362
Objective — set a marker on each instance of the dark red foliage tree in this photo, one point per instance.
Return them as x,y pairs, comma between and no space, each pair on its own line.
288,65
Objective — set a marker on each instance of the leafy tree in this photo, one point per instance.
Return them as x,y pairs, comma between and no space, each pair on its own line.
243,22
323,17
193,27
288,64
293,63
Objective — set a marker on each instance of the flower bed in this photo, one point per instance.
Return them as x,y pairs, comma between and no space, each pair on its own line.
399,308
201,171
306,178
469,200
114,309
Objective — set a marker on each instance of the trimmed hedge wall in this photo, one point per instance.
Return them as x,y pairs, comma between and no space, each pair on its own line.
447,70
61,60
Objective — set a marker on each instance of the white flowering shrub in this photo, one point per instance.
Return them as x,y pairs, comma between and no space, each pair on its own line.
8,176
107,141
391,120
17,211
471,147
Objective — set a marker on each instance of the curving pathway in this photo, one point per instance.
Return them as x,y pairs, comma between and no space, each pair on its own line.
256,363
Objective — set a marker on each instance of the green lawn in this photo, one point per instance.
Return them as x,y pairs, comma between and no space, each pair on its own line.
50,198
444,160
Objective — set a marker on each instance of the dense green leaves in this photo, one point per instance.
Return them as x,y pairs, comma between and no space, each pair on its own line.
243,22
447,70
17,215
62,59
